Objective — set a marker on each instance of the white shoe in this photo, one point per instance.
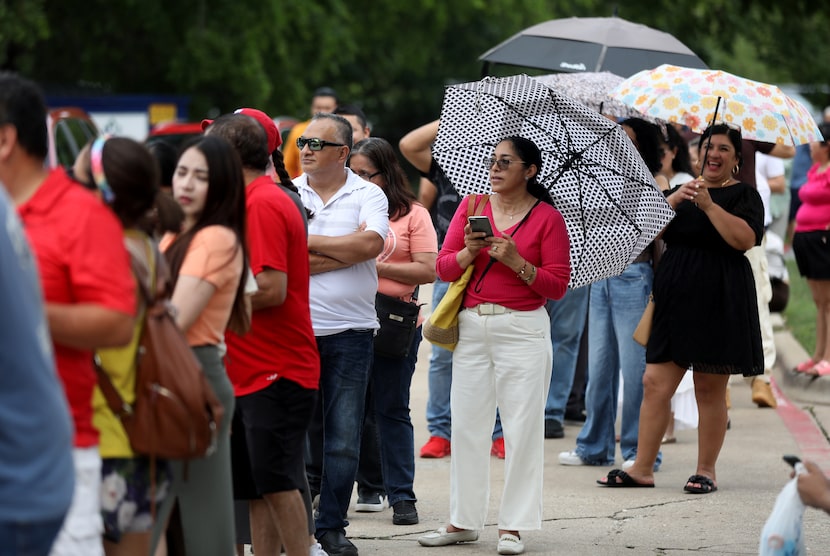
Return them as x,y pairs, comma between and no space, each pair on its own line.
317,550
567,458
442,537
510,544
373,502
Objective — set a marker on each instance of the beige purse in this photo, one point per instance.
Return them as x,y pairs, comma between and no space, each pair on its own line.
643,330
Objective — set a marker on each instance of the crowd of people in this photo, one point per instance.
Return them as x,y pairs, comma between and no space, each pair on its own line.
275,259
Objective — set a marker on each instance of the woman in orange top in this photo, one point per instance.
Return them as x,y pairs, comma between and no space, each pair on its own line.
206,261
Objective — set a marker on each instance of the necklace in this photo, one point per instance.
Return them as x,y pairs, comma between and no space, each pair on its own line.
510,215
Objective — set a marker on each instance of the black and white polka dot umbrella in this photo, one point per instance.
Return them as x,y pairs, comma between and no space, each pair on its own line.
611,204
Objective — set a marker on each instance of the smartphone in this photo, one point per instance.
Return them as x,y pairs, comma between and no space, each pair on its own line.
481,224
792,460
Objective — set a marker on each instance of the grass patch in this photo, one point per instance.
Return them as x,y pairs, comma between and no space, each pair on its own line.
800,314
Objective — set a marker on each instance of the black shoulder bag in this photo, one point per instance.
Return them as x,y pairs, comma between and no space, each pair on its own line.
398,322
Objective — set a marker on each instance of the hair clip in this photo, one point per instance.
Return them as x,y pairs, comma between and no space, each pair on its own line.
96,165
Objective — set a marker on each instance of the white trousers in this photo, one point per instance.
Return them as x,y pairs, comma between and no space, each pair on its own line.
505,361
763,293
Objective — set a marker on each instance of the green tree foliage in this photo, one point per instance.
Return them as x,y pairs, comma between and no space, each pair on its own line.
392,57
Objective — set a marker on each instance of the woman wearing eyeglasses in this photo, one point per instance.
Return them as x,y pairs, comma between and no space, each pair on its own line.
705,313
407,260
504,355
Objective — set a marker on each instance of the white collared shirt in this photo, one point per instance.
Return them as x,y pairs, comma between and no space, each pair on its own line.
344,299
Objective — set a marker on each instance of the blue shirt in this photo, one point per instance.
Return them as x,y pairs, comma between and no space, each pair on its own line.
36,470
801,163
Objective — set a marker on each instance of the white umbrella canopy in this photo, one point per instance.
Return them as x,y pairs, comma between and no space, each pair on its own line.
592,89
612,207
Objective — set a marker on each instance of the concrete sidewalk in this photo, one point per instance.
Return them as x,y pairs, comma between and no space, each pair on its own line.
582,518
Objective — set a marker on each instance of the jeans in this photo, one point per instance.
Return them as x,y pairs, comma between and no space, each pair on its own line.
439,420
614,311
391,380
28,539
567,321
345,359
369,474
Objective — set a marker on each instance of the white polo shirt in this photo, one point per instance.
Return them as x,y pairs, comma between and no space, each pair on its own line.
344,299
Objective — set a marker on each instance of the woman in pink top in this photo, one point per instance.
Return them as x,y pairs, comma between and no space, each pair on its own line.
206,265
504,355
407,260
811,245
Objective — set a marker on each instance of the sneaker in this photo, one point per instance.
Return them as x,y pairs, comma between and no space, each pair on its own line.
554,429
570,458
404,513
335,543
497,449
629,463
317,550
371,502
436,447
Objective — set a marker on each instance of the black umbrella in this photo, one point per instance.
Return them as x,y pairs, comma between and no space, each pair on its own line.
608,198
577,44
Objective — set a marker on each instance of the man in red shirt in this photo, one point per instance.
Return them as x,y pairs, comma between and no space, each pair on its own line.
275,367
86,280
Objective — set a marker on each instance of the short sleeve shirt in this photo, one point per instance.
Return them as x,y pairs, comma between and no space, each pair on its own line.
280,343
214,256
345,299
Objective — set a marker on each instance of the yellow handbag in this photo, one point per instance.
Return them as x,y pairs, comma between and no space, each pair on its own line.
441,328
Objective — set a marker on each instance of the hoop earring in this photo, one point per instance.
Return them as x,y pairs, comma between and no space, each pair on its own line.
736,169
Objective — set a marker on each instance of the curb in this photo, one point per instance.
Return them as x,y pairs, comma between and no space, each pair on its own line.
797,386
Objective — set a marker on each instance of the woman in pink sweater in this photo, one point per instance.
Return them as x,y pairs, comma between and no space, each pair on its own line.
811,245
504,355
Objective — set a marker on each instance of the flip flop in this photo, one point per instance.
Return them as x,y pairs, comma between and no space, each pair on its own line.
822,368
707,485
805,366
617,478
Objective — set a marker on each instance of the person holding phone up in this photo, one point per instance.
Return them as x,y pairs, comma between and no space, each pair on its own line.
503,356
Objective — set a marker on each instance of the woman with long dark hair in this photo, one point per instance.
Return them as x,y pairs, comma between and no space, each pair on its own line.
504,355
407,260
207,263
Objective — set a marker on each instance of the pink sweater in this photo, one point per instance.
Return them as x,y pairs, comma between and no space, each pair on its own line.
542,240
814,212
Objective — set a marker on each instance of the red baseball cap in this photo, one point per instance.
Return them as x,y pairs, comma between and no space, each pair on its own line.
271,131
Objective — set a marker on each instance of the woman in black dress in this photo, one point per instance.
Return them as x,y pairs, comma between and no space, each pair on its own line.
705,309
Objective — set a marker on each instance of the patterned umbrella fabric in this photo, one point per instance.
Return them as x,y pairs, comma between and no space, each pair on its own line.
611,204
695,98
591,89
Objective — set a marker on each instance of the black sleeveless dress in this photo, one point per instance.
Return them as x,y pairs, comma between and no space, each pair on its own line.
705,309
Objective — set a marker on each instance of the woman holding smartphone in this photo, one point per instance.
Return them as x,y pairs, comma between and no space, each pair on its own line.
504,354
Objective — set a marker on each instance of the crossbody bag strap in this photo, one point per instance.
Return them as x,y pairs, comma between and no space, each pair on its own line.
492,261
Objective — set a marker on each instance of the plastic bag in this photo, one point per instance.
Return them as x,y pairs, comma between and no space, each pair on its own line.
781,535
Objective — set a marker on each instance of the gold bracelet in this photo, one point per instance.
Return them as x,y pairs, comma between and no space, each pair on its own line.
522,271
531,276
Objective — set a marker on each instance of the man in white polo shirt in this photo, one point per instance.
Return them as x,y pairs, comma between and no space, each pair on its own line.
346,232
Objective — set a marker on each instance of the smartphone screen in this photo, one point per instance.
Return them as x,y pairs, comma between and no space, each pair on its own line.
481,224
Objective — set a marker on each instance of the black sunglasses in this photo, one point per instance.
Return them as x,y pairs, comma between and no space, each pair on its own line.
315,144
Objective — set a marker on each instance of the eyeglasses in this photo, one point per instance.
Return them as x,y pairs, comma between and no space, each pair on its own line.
366,175
730,125
503,163
316,144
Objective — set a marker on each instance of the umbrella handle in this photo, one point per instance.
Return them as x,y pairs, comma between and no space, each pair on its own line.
706,152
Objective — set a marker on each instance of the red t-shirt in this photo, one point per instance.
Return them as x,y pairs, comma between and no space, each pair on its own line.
79,245
280,343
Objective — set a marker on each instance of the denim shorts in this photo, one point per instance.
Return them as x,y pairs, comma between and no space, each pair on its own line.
127,493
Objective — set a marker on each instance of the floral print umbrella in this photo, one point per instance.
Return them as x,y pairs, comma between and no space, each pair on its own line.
611,204
696,98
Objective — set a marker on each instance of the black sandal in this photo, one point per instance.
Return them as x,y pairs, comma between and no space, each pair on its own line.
707,485
625,480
